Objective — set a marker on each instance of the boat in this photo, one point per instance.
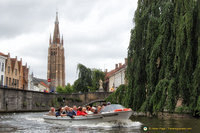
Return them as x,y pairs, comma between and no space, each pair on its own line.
110,113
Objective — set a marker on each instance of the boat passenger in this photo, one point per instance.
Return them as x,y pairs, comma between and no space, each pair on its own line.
81,112
98,109
108,103
59,112
71,113
93,111
52,111
75,109
66,110
88,110
84,110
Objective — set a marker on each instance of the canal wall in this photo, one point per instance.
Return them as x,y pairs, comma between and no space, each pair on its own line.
163,114
15,100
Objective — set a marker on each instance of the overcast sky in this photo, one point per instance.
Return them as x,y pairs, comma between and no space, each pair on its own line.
96,32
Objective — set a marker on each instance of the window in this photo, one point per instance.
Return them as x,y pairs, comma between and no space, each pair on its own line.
15,71
13,82
8,69
2,68
9,81
6,81
1,80
17,83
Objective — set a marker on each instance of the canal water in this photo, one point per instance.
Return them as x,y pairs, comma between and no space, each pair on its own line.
34,123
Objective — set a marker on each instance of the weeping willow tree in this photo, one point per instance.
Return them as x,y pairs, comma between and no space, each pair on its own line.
88,79
164,56
84,81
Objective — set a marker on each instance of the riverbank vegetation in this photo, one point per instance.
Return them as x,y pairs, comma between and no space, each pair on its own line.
163,58
88,81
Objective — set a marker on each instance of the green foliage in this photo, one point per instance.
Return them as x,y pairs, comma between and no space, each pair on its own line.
198,106
172,95
118,96
164,57
60,89
84,80
182,109
88,79
97,75
67,89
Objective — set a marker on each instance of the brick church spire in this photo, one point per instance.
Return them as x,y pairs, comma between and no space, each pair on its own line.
56,59
56,35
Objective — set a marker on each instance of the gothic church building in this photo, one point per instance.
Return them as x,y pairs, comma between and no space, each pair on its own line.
56,59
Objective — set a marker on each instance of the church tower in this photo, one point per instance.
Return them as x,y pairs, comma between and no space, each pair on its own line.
56,59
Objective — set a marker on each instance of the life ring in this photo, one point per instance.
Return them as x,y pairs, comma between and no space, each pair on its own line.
117,110
127,109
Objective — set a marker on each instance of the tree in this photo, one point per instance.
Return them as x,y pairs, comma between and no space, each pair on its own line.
68,88
88,79
84,81
60,89
163,56
97,75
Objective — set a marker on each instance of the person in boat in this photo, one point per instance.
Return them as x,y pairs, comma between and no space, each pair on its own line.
108,103
66,110
52,111
75,109
71,113
88,110
93,110
59,112
84,110
81,111
98,109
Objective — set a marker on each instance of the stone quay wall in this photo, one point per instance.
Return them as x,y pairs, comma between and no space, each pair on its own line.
15,100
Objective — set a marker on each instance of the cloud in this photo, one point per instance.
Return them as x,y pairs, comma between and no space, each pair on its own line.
96,32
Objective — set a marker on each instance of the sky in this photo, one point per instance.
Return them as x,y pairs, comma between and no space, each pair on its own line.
96,32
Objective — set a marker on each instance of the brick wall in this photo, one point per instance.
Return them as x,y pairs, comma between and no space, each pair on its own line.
15,100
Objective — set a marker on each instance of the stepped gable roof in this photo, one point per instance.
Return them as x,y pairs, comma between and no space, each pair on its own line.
19,64
110,73
13,60
24,68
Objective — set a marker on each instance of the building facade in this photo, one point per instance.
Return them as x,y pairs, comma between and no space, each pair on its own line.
40,85
116,77
15,73
2,68
56,59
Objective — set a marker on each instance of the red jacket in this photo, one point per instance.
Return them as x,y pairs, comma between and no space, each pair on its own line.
81,113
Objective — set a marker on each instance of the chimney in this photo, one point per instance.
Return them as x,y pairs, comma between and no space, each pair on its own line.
106,70
126,61
116,66
120,64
